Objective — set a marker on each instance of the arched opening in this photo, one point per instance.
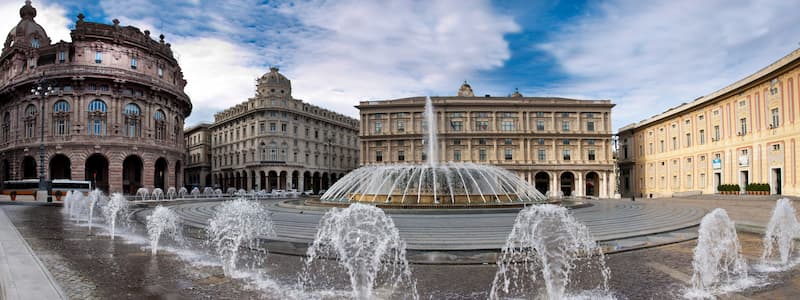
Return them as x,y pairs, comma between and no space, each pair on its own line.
237,182
567,183
282,180
244,180
160,173
60,167
253,178
263,177
592,184
316,182
132,174
178,171
307,181
272,177
295,179
208,180
542,182
325,181
96,171
333,178
5,172
29,168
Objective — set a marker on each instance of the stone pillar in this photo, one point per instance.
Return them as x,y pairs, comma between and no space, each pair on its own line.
578,184
114,174
603,185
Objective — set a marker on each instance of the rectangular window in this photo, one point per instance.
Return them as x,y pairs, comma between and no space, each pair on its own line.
661,145
565,115
98,57
743,126
702,180
481,125
591,155
566,154
401,125
273,127
688,140
590,141
542,155
539,125
262,127
716,133
481,141
134,63
456,142
456,125
160,72
378,127
674,143
482,154
776,118
456,155
508,125
509,154
508,141
379,156
62,56
541,141
401,155
540,114
283,127
702,137
401,143
565,142
589,126
565,125
650,149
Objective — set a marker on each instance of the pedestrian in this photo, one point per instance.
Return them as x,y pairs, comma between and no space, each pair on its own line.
633,198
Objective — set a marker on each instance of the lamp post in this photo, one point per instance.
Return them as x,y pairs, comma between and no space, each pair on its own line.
42,89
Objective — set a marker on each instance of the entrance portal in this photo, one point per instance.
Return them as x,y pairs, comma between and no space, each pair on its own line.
592,181
542,182
96,171
132,174
60,167
567,180
777,184
29,168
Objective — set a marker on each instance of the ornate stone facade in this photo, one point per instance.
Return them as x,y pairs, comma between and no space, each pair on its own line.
273,141
198,156
115,116
555,144
745,133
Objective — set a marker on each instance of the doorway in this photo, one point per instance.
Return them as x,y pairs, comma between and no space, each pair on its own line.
744,179
777,184
717,181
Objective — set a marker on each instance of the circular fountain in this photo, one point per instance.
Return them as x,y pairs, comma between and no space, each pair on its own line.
431,184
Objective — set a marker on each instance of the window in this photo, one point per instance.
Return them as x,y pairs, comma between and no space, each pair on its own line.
97,117
776,147
508,141
30,120
273,127
688,140
509,154
160,72
700,117
378,126
62,56
132,113
674,143
161,126
541,155
456,155
539,125
481,125
661,144
716,133
565,115
566,154
401,143
456,125
565,125
481,141
401,155
35,43
776,121
508,125
590,126
590,141
565,141
401,125
456,142
540,114
540,141
134,63
702,137
482,154
741,103
98,57
591,154
379,156
283,127
743,126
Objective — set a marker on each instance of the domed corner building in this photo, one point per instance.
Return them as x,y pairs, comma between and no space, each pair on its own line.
115,116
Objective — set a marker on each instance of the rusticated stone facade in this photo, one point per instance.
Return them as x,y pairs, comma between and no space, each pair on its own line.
116,113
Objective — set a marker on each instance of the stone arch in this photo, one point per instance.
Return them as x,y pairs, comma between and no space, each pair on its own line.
96,171
160,173
132,170
592,184
295,180
542,182
282,179
5,171
567,180
307,178
272,181
60,167
316,182
263,180
178,170
29,168
325,181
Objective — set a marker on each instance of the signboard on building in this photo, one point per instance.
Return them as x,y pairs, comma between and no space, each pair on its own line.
716,163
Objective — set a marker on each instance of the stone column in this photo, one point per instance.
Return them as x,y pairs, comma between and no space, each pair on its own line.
578,184
603,185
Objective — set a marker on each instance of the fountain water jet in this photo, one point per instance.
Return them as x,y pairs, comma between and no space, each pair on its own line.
142,193
781,231
365,242
116,209
718,264
157,194
195,192
96,198
163,221
235,224
171,193
547,241
182,192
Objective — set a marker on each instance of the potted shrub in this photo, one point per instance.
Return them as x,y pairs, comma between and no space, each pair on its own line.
13,195
58,195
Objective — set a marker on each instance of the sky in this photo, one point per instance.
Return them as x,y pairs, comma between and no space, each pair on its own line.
644,56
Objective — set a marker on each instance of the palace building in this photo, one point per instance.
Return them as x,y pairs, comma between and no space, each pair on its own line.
744,133
198,156
556,144
114,115
275,142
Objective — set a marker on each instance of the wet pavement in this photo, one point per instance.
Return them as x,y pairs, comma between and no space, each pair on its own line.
92,266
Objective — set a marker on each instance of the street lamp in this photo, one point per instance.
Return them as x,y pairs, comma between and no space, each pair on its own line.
43,88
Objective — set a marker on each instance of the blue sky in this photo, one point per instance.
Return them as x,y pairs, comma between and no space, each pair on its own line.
645,56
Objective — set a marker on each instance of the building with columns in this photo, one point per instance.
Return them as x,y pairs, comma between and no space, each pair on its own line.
275,142
746,132
556,144
198,156
115,116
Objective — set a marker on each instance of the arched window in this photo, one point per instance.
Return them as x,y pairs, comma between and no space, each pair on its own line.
61,118
160,125
132,112
30,120
97,117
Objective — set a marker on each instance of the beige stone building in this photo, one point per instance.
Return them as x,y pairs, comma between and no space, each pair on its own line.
746,132
273,141
556,144
114,117
198,156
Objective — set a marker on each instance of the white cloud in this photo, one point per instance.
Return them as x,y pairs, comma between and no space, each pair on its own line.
647,56
51,16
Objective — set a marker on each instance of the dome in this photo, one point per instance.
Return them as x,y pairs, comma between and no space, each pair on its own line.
27,32
465,90
274,83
